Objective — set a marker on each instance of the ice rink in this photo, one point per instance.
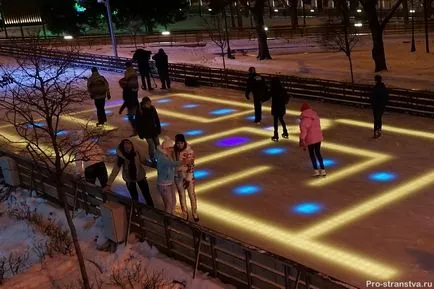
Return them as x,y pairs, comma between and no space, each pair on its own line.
371,218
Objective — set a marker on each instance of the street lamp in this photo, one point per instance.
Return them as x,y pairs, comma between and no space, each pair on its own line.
413,45
110,25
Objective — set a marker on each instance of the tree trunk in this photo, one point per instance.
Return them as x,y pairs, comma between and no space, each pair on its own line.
258,15
319,5
376,30
73,231
378,54
294,14
239,17
230,56
425,16
351,68
231,10
405,11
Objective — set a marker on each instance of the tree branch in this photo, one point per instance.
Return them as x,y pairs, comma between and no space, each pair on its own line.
390,15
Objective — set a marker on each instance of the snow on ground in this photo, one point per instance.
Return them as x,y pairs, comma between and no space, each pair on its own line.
305,57
19,235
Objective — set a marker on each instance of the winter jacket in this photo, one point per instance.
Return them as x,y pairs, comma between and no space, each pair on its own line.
185,171
380,96
310,127
89,154
165,168
130,81
278,101
123,162
148,122
257,86
161,61
142,57
97,82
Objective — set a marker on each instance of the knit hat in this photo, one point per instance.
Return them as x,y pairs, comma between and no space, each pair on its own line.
180,138
304,106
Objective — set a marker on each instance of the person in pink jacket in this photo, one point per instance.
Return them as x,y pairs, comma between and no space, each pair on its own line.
311,137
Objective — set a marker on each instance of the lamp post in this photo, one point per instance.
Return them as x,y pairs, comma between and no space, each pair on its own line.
413,45
110,25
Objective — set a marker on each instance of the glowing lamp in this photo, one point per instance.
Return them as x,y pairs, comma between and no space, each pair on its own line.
165,33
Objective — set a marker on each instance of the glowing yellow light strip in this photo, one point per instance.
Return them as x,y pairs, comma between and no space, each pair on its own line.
200,118
347,171
368,207
345,259
410,132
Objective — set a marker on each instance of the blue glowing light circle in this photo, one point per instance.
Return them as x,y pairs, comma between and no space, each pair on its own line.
247,190
164,124
232,141
61,132
201,174
250,117
308,208
36,125
194,132
222,111
190,105
164,100
111,152
382,176
274,151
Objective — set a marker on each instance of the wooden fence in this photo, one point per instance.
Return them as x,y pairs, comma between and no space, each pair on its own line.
224,257
416,102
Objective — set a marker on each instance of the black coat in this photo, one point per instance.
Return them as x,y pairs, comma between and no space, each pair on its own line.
161,61
257,86
142,58
279,99
148,122
379,97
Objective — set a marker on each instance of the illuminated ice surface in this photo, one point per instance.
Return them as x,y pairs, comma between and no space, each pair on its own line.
396,214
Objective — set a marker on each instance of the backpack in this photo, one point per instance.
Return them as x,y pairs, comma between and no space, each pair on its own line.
98,87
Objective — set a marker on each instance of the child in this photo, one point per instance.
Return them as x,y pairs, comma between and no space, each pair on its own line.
311,137
184,178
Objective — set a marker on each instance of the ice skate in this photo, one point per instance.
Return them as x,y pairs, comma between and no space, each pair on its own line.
275,138
316,173
285,135
323,173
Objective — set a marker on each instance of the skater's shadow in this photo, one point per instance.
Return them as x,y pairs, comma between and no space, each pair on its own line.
423,258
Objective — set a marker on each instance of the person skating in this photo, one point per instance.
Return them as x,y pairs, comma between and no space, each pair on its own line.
98,89
379,99
279,100
148,126
166,167
132,160
142,58
184,178
162,63
311,137
257,86
130,88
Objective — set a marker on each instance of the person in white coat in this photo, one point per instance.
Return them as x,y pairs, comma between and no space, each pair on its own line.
184,178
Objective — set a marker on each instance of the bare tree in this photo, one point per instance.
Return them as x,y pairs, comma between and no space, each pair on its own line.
377,27
214,25
36,102
343,36
134,27
427,6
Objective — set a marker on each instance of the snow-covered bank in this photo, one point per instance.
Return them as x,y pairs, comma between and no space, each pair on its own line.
138,259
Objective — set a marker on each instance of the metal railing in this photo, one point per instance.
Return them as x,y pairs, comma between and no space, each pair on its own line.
418,102
230,260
